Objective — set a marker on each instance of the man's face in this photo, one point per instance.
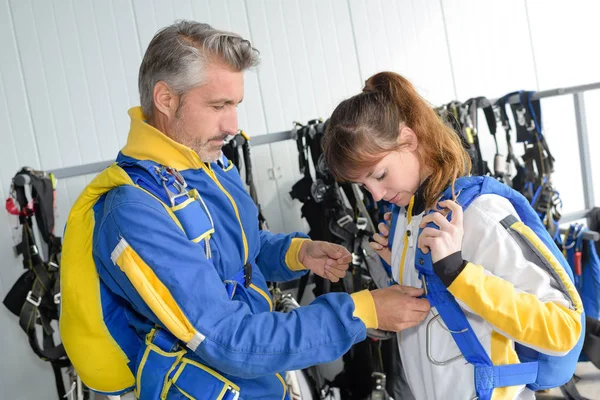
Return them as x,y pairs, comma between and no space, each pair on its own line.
207,114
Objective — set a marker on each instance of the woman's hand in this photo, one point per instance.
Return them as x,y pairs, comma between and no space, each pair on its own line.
448,239
380,244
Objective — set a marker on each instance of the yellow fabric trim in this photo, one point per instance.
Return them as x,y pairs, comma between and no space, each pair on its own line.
98,359
182,205
245,135
526,231
186,394
405,241
222,393
166,207
211,173
503,354
168,383
291,256
138,378
263,294
521,316
284,385
148,143
155,294
229,166
220,377
205,234
364,308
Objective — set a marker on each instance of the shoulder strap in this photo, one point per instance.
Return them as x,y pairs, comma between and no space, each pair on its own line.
184,204
487,376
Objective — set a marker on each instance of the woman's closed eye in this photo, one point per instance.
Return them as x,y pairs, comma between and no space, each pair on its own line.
382,176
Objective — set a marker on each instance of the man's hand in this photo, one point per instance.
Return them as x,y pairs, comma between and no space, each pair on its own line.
327,260
398,307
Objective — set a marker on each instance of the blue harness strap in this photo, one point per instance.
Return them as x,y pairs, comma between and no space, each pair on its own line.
488,376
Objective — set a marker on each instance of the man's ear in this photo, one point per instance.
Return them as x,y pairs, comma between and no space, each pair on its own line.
408,139
165,101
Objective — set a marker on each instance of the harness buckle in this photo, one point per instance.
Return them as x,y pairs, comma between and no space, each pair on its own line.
30,299
234,393
180,183
361,223
57,298
345,220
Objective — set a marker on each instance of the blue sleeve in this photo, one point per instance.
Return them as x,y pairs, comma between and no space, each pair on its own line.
274,249
234,340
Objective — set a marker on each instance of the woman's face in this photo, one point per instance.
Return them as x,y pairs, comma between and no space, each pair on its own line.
397,176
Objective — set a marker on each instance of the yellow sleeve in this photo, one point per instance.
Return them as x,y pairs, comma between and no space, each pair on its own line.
364,308
291,257
547,326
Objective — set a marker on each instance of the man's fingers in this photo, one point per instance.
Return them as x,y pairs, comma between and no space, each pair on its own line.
387,216
333,250
421,305
331,276
409,290
338,273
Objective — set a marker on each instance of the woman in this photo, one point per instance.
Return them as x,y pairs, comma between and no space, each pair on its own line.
389,140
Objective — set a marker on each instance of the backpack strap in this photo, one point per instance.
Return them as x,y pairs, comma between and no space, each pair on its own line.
184,204
487,375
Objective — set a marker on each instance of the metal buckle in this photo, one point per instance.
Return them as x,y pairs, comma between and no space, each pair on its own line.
236,394
361,223
345,220
57,298
180,183
34,302
428,345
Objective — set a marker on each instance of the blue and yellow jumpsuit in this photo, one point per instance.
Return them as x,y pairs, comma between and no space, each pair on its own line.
148,308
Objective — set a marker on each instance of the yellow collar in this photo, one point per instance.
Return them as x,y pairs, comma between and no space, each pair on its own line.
148,143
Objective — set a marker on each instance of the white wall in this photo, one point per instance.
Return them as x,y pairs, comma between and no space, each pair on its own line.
68,74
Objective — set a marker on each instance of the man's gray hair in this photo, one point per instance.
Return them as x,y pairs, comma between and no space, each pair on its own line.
178,54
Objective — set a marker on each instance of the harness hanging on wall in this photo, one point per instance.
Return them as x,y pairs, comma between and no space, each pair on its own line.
35,297
535,181
462,118
232,151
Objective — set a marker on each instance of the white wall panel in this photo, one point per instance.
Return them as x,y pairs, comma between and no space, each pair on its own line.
592,103
112,51
252,120
564,39
279,98
406,37
79,103
145,22
490,47
97,79
36,83
335,29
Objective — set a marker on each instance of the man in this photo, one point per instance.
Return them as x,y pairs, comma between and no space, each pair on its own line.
164,269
